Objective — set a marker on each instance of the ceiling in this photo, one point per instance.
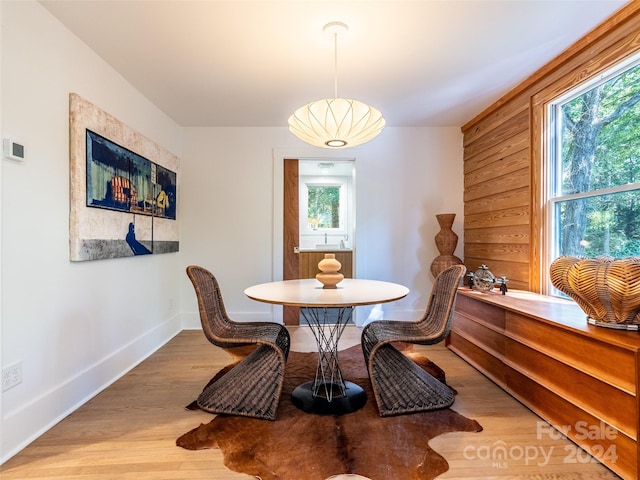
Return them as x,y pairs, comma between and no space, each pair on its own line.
252,63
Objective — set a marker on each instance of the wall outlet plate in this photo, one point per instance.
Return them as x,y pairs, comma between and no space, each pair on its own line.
11,376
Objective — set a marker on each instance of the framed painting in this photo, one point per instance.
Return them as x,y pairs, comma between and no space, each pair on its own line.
124,189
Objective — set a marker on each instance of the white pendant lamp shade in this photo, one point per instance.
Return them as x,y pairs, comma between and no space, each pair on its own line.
336,123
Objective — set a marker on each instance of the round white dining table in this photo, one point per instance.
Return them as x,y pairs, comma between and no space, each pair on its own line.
327,311
308,292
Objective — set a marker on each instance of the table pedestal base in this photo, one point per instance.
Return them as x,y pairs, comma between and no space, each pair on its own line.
353,399
329,393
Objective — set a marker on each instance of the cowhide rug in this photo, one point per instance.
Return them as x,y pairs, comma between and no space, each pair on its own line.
303,446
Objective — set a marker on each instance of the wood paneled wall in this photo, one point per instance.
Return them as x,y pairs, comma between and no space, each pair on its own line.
504,158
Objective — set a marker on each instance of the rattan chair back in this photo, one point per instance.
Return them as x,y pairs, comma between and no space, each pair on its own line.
438,316
216,324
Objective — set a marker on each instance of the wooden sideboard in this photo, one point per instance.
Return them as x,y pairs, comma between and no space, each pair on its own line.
580,378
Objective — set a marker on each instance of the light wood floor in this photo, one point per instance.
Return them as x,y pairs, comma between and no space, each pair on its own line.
129,430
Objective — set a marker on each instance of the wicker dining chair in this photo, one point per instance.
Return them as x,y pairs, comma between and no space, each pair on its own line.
252,388
400,385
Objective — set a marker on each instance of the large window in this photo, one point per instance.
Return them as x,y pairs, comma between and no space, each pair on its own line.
594,176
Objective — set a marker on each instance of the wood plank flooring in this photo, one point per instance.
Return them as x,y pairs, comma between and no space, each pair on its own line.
129,430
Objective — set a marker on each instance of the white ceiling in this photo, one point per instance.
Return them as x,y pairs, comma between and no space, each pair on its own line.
252,63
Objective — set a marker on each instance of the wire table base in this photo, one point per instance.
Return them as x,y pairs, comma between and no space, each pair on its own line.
328,393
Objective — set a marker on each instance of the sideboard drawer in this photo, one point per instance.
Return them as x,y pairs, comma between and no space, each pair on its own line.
543,352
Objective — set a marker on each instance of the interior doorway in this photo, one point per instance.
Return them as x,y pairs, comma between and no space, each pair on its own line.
318,218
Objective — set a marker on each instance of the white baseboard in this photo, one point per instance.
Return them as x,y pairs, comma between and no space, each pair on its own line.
22,426
191,320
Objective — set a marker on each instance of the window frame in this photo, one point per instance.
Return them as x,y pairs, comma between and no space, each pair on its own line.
551,173
341,208
344,209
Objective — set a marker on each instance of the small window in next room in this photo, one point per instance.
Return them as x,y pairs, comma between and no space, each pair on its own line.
593,175
323,206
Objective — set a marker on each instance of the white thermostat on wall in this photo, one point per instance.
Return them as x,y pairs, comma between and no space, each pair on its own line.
12,151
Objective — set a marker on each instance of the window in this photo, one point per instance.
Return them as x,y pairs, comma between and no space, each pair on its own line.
593,184
323,206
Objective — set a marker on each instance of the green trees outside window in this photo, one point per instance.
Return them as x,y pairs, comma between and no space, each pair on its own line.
595,185
324,206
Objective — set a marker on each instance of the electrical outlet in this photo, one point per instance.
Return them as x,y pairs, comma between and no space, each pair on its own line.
11,376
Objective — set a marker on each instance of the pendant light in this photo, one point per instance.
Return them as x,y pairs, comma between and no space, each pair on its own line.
336,122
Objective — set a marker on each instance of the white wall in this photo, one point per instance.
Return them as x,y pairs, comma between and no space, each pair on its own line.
232,220
75,327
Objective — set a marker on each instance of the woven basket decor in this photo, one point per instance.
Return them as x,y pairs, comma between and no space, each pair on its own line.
607,289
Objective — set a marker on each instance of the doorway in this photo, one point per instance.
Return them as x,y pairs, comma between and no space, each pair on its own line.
318,218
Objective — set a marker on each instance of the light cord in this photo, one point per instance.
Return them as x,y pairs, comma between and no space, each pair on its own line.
335,65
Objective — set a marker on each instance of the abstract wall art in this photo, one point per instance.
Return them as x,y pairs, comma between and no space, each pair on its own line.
123,189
